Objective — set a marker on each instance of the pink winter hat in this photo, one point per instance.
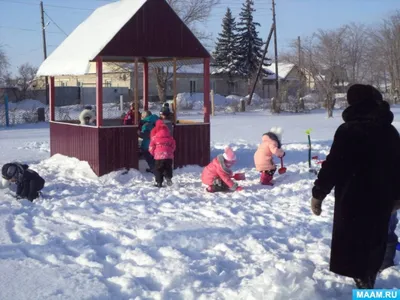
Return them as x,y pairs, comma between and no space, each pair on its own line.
229,155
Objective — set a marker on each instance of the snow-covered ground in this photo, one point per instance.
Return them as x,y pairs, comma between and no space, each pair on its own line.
118,237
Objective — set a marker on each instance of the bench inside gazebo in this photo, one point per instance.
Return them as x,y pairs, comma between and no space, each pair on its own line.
138,32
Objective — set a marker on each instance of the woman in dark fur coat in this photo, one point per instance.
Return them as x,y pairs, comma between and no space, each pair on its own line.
363,166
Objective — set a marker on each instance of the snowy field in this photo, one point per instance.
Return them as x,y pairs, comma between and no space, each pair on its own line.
118,237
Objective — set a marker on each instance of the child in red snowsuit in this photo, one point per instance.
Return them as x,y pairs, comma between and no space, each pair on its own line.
162,147
218,175
131,116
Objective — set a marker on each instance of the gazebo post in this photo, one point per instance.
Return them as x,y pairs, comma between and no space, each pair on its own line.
136,90
99,91
175,92
52,99
206,88
145,85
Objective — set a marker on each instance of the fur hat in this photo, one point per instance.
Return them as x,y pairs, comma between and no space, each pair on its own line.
165,111
229,155
377,95
12,170
9,171
359,93
278,131
86,113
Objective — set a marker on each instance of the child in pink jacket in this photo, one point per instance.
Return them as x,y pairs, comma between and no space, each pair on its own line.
270,145
218,175
162,147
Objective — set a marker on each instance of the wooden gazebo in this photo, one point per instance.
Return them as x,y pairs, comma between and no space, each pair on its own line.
147,32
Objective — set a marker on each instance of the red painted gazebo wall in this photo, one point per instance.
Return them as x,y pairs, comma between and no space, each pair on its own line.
105,149
118,148
155,31
192,144
76,141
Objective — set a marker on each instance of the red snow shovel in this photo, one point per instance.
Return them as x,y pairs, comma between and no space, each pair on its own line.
239,176
282,169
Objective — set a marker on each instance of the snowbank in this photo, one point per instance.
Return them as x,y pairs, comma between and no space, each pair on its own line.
234,98
313,97
195,101
255,100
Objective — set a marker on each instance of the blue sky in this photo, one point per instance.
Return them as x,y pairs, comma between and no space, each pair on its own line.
20,30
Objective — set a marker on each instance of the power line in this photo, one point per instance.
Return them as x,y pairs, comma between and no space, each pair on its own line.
55,23
27,29
47,5
68,7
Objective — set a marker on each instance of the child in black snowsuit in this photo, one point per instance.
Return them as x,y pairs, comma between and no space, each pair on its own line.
29,183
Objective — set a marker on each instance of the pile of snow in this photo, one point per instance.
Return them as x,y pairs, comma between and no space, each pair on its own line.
313,97
234,98
255,100
195,101
340,96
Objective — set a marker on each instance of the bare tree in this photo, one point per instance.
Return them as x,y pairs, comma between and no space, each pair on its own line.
192,13
25,77
387,40
22,81
3,65
323,59
356,46
376,63
354,53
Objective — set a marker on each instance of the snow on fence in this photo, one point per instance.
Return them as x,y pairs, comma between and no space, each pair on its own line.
26,111
21,112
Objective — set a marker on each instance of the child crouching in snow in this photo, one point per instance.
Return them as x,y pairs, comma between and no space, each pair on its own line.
270,145
162,147
29,183
218,175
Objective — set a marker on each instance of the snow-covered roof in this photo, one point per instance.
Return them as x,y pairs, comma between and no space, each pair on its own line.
193,69
283,70
73,55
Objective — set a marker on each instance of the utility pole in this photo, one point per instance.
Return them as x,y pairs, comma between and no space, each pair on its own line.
300,65
44,48
261,63
299,50
275,105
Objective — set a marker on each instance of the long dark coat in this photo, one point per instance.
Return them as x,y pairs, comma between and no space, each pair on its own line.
363,165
